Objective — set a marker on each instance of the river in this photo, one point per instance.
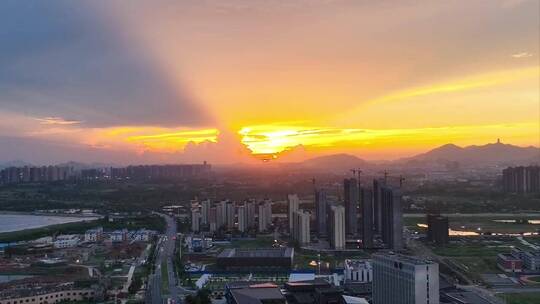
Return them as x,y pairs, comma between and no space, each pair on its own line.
16,222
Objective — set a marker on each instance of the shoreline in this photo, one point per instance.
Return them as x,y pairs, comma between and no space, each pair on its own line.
62,220
36,213
37,232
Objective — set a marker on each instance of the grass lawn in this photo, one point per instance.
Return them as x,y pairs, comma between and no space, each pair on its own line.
164,278
535,279
472,250
478,265
521,298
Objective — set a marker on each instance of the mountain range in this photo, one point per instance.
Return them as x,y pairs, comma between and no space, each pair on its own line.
493,153
489,154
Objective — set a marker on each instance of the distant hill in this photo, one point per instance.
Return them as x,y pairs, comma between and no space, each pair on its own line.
493,153
335,162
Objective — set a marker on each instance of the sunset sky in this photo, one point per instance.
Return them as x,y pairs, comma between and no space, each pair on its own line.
241,80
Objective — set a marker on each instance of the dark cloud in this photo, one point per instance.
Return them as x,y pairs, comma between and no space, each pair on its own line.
60,59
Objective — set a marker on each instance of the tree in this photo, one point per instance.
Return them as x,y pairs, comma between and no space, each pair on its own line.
202,297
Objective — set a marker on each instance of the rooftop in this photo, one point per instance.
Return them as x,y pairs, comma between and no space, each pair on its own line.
257,294
258,252
403,258
508,257
358,264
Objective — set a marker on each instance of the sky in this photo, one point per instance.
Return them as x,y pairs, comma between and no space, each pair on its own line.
248,80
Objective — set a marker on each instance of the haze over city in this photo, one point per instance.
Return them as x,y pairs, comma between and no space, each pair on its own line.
244,81
270,152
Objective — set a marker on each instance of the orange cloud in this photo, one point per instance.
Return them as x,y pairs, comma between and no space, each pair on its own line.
52,120
271,140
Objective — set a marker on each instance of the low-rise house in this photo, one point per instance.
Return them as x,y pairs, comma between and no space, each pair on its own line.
94,235
118,235
48,294
359,271
198,244
358,277
143,235
43,240
530,259
66,241
509,262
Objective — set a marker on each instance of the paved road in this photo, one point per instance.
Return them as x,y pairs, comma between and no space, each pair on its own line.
165,249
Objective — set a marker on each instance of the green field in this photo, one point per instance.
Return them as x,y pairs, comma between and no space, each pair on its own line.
521,298
101,195
164,278
473,250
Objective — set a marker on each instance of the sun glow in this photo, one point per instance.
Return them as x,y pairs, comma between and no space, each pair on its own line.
275,139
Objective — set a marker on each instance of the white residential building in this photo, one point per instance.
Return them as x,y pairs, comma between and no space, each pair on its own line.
205,208
337,227
242,219
300,231
195,220
94,235
360,271
265,215
400,279
118,235
221,214
143,235
230,213
293,205
66,241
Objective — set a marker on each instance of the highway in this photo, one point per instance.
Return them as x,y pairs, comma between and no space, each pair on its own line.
165,252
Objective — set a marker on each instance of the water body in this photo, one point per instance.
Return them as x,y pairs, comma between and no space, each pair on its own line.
16,222
9,278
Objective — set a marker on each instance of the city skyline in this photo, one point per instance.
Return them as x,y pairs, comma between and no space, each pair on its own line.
251,80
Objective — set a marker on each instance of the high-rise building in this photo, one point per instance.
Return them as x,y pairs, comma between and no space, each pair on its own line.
293,204
300,231
391,218
195,220
437,231
205,206
351,197
221,214
251,209
321,211
242,219
377,215
337,227
366,197
212,219
265,215
521,179
399,279
230,214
